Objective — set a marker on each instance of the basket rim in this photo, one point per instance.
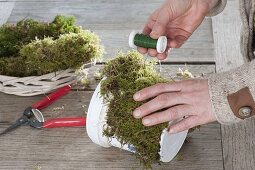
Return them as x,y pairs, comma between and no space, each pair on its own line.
34,85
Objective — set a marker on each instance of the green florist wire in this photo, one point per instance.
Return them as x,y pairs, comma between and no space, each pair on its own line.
140,40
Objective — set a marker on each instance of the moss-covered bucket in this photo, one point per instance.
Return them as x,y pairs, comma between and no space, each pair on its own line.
96,123
110,121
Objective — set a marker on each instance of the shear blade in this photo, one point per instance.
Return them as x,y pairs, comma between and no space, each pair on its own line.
12,127
18,123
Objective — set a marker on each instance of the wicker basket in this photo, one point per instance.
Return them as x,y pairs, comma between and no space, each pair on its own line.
35,85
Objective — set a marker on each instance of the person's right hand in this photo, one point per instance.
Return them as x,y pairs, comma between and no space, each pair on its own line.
176,19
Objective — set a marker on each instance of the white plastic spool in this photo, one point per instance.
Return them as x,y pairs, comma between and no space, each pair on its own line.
96,122
161,43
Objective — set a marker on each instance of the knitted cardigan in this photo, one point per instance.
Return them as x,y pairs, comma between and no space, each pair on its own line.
223,85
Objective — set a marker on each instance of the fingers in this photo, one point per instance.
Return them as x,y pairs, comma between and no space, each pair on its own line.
160,26
175,44
172,113
142,50
148,27
150,22
157,89
164,55
152,52
160,56
177,37
162,101
184,124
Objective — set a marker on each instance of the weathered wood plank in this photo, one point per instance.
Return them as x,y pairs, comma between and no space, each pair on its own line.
67,148
238,140
70,148
110,20
5,11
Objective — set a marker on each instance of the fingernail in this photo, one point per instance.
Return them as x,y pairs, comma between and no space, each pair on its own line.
137,96
154,34
137,113
146,121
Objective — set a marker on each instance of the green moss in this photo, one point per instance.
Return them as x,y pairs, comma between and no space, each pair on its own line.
98,75
32,48
13,66
125,75
12,37
2,66
69,51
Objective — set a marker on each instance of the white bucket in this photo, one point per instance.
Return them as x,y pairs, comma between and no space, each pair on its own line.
96,122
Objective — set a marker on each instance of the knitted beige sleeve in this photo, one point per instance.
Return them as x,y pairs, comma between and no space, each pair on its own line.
223,84
218,8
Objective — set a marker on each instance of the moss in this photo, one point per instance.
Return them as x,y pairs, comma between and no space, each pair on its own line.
179,157
14,66
37,167
125,75
184,74
2,66
98,75
12,37
63,25
33,53
69,51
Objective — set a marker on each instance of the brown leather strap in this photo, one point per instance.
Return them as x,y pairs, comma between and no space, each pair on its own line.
242,103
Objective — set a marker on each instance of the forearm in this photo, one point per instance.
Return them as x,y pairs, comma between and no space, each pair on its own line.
233,93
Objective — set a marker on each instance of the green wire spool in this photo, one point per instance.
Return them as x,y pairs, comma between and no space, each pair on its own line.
140,40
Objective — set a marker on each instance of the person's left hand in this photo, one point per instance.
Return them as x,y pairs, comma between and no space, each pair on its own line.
188,98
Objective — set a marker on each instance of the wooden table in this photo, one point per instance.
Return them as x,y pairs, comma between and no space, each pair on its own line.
212,147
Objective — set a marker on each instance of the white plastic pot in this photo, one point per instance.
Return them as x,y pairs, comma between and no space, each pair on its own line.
96,122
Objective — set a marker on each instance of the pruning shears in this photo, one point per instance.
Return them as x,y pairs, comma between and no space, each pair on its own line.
33,117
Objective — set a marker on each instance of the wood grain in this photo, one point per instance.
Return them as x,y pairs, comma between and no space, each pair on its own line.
238,140
70,148
5,11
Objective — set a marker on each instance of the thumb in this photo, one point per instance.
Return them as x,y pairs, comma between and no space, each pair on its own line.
160,25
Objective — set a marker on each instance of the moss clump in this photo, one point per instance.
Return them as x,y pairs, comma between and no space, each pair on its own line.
52,47
125,75
12,66
13,37
68,51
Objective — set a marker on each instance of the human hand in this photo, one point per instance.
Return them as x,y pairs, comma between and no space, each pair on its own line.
177,20
188,98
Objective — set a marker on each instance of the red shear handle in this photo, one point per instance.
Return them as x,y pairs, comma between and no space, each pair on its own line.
46,101
65,122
